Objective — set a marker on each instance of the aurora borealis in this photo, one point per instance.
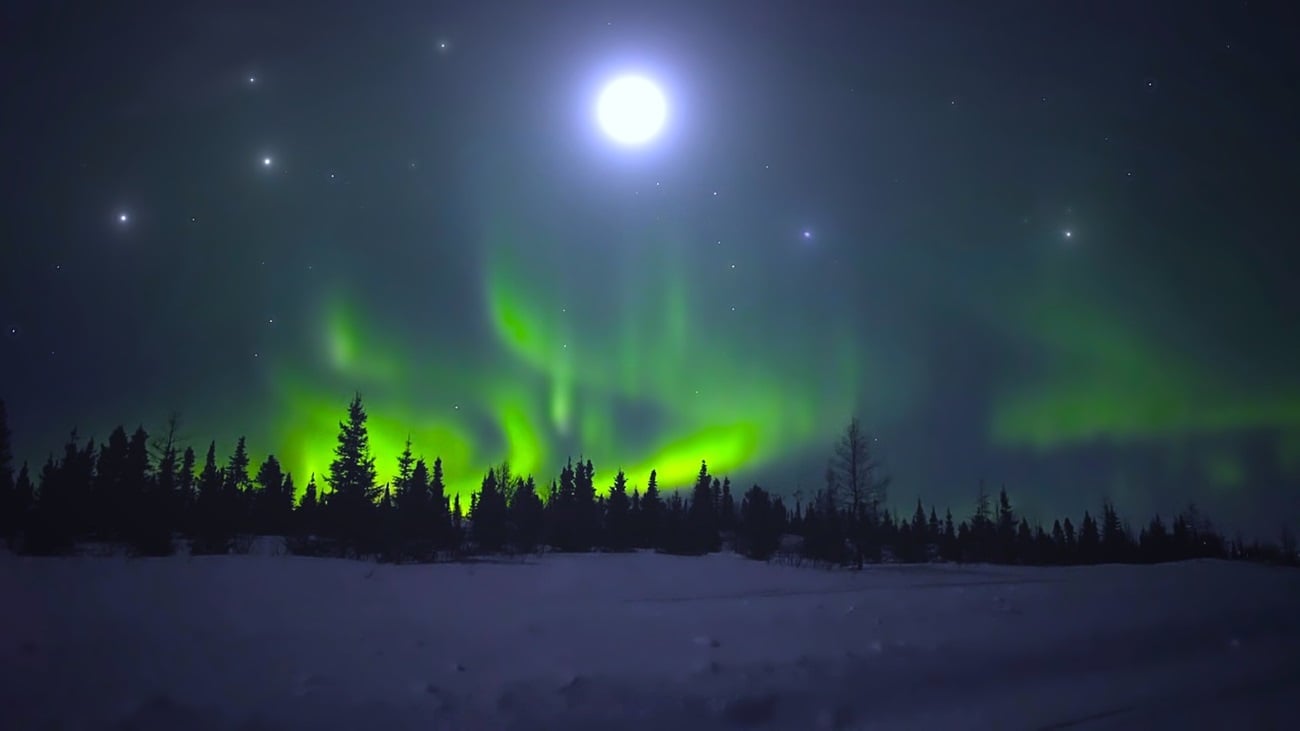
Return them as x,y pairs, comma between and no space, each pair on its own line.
1045,246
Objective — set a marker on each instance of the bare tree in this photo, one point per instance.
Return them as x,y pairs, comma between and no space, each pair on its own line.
855,470
858,473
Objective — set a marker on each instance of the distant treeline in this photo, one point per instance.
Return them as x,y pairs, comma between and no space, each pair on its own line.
148,494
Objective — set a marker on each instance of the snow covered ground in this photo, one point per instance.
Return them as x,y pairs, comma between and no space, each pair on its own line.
642,641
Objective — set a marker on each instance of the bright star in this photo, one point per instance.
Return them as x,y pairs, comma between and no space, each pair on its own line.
631,110
123,218
266,162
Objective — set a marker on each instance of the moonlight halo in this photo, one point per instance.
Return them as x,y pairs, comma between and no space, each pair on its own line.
631,110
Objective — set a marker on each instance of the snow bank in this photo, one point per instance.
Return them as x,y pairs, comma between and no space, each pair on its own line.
641,641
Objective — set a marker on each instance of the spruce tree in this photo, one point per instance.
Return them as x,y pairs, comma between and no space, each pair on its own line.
703,521
353,487
440,509
308,509
236,490
488,515
210,530
759,532
1089,540
110,499
652,509
268,501
526,516
185,491
617,515
727,520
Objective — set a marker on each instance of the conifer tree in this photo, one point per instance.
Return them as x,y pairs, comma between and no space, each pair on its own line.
1089,539
652,510
210,531
759,532
526,512
440,509
236,490
353,489
488,515
109,496
167,475
308,509
407,500
727,519
618,510
703,522
1006,527
186,491
268,503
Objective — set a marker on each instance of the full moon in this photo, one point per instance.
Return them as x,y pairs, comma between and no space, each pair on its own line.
631,110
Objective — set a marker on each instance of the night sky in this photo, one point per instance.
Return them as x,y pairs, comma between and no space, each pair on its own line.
1051,245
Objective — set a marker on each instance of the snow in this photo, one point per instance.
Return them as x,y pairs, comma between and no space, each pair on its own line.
641,641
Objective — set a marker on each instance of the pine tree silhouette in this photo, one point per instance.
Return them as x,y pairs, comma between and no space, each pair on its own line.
527,516
211,530
1089,540
350,508
727,516
109,493
236,491
488,515
1006,529
440,511
618,514
652,511
186,492
703,527
308,510
759,533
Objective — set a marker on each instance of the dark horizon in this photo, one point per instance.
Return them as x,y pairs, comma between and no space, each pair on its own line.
1046,247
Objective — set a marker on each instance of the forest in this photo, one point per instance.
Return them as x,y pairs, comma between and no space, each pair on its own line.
151,494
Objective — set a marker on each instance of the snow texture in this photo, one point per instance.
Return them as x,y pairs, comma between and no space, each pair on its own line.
642,641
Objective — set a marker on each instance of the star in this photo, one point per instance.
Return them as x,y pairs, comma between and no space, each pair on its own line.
807,235
123,217
252,79
733,266
266,162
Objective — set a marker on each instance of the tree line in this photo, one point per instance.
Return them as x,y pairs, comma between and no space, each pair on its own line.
148,493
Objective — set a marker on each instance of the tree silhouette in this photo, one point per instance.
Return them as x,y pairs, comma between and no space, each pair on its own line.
703,519
350,506
526,516
652,511
1089,540
618,514
761,524
236,490
211,531
488,514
